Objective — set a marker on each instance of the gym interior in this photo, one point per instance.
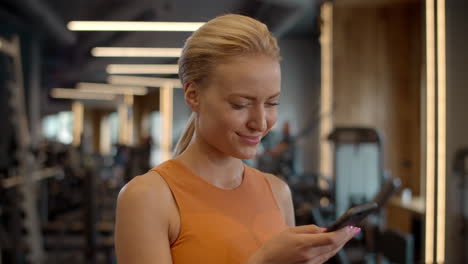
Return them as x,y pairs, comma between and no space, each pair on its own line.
373,108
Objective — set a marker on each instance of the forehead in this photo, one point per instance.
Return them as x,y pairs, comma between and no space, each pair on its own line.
247,74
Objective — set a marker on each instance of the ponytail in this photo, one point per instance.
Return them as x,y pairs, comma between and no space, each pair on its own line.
186,137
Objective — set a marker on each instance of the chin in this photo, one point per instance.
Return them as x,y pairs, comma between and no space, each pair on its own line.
245,154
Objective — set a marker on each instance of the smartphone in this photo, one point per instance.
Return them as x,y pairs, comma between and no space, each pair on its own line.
390,187
354,216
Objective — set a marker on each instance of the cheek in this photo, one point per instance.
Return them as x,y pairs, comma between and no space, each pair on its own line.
271,118
217,118
234,120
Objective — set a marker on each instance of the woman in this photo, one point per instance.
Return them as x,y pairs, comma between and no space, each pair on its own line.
205,205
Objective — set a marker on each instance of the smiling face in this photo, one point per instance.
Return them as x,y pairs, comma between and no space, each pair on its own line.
239,105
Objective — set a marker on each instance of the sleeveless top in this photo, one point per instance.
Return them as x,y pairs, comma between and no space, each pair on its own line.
219,226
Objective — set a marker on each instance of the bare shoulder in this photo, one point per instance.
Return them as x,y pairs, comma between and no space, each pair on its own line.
146,195
283,197
148,184
143,218
278,186
145,188
149,194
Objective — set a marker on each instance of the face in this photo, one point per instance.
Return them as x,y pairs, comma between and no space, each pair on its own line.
239,105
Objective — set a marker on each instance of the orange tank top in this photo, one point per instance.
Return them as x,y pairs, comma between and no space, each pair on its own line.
220,226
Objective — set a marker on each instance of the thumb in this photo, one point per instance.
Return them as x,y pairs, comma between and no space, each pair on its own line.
308,229
348,232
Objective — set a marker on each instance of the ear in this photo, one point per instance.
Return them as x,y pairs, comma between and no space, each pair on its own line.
192,96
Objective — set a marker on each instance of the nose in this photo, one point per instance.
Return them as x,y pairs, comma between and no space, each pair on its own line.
257,119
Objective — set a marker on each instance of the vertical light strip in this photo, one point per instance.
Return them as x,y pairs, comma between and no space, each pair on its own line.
121,110
326,121
165,103
78,112
125,111
430,132
105,137
128,101
441,132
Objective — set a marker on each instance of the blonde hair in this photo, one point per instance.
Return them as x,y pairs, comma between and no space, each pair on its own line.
221,38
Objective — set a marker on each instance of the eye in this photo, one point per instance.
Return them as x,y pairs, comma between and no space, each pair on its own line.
238,106
272,104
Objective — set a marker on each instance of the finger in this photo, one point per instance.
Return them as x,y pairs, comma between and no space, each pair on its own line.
347,233
327,252
308,229
326,245
332,238
336,243
324,257
315,252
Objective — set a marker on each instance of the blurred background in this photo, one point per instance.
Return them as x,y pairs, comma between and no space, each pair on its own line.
374,107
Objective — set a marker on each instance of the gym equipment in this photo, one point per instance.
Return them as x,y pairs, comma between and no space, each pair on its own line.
395,246
23,154
358,166
358,178
84,229
460,168
57,203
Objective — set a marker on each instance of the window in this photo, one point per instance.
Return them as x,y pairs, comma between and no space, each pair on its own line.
59,127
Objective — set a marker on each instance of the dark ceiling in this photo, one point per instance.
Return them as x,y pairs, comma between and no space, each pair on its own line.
66,55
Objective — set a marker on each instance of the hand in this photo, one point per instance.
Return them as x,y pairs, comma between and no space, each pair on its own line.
303,244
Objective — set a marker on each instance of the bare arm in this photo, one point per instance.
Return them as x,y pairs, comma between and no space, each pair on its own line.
283,197
142,222
303,244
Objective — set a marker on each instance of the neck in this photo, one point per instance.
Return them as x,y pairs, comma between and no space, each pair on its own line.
217,168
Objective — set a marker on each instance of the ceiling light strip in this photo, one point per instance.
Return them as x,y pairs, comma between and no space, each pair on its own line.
133,26
136,52
63,93
111,89
142,69
143,81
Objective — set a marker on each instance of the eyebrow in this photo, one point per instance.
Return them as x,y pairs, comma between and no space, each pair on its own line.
253,98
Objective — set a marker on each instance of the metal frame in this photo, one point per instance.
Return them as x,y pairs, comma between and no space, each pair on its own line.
27,163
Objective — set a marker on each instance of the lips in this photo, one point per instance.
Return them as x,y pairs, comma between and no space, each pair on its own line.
251,140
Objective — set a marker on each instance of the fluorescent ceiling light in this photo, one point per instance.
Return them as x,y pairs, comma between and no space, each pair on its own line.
133,26
142,68
111,89
136,52
143,81
63,93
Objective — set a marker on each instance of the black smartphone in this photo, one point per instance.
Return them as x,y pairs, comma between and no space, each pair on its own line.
390,187
354,216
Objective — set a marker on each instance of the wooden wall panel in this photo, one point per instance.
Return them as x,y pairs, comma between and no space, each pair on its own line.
93,118
143,106
377,64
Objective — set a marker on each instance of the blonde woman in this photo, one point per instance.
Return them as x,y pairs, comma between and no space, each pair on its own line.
206,206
